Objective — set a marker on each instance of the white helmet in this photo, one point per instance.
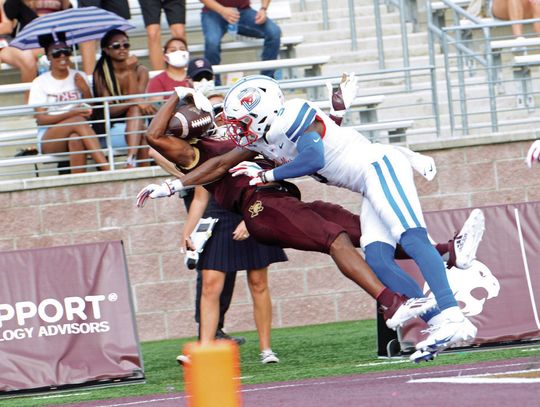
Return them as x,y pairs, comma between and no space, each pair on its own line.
250,107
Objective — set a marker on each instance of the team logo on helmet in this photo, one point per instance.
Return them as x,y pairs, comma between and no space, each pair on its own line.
249,98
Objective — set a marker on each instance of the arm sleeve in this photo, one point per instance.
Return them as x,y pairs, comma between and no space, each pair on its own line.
309,160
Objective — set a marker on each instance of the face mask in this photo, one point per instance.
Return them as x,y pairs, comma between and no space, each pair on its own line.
178,59
204,86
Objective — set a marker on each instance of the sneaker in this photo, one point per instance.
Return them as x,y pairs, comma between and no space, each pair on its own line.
423,356
269,357
183,360
240,340
404,309
447,334
465,244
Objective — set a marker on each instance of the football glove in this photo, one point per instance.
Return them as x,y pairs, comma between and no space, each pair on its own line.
423,164
533,154
199,100
342,98
153,191
250,169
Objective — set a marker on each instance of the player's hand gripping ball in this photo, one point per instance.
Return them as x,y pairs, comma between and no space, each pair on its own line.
189,121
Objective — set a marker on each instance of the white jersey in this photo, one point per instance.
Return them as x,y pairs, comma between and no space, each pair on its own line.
347,153
380,172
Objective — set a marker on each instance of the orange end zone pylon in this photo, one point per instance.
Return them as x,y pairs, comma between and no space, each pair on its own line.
213,376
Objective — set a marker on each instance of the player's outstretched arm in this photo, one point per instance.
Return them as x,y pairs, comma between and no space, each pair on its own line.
309,160
533,154
214,168
174,149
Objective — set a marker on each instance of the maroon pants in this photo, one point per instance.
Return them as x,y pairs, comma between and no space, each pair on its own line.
279,218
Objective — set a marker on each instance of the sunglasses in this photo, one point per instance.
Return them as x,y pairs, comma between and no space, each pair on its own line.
118,45
58,52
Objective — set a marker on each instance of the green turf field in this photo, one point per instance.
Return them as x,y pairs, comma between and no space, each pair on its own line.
311,351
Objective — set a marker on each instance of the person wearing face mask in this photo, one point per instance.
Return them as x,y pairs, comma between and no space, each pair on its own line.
201,73
176,57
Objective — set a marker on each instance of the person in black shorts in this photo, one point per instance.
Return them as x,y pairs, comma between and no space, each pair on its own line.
175,10
88,49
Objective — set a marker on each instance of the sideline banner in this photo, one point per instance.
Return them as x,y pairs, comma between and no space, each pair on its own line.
500,293
66,318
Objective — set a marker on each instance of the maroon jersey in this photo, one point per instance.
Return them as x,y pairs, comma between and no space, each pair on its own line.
227,191
274,214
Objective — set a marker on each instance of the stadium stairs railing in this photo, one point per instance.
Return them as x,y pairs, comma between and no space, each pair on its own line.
491,78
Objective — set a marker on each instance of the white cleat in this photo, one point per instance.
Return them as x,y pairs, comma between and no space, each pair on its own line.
466,242
447,334
408,309
423,356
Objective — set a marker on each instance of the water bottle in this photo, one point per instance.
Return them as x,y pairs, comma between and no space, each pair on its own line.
232,29
43,64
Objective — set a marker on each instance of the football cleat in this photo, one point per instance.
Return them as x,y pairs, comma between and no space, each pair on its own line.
465,244
403,309
447,334
423,356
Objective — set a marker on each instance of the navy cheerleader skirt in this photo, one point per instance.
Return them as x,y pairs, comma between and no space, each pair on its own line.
225,254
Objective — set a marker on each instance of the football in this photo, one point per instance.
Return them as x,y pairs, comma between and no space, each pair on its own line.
189,121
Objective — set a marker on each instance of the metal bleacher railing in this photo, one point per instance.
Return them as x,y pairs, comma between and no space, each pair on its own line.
382,117
491,78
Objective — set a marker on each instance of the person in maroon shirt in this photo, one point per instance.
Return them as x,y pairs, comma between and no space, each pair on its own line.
275,215
176,56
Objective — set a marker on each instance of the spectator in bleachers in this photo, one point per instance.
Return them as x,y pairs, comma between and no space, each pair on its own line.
517,10
117,73
62,84
15,15
88,49
218,14
176,57
175,10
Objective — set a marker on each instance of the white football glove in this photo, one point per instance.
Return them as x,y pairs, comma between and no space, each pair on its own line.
423,164
250,169
153,191
533,154
342,98
199,100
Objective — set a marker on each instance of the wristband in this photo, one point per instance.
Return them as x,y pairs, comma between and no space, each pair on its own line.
263,8
175,185
268,176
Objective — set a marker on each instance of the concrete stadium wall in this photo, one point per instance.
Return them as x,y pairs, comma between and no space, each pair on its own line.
307,289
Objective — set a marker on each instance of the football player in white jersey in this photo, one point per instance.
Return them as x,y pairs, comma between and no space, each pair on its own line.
305,141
